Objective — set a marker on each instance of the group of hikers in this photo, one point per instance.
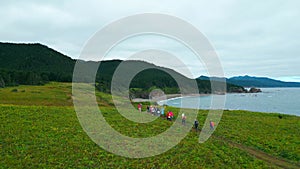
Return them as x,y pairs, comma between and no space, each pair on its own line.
160,111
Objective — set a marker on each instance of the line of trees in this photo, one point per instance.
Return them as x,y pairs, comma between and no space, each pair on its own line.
14,78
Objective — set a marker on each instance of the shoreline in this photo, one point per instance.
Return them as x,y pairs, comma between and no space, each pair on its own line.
170,97
167,97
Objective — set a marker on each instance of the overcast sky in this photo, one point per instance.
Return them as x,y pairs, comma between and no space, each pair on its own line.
251,37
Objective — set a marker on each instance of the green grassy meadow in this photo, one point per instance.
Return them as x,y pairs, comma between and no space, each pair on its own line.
39,129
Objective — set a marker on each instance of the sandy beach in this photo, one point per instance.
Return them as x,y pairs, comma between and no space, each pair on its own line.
165,97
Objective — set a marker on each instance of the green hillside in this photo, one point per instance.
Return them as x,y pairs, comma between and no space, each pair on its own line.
36,64
39,129
34,57
33,64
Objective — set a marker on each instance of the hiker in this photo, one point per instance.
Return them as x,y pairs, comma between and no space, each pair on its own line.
153,110
183,118
150,109
196,124
162,111
140,107
158,111
212,125
169,116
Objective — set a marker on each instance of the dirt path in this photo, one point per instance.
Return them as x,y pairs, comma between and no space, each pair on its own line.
274,161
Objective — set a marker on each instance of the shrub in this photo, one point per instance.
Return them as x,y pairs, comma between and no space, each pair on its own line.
14,90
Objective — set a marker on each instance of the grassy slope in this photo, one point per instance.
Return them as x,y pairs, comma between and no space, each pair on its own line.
53,94
48,134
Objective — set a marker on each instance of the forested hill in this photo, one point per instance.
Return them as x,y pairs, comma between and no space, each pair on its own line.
34,57
32,64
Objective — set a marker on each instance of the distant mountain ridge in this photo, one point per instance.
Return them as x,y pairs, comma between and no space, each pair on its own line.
251,81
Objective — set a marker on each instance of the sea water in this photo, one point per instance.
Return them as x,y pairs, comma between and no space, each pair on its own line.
273,100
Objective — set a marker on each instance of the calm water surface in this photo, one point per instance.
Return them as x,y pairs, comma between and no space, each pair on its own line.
275,100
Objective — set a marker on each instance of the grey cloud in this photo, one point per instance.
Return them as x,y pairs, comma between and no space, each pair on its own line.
251,37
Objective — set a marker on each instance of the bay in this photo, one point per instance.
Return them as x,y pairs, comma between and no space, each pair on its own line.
271,100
